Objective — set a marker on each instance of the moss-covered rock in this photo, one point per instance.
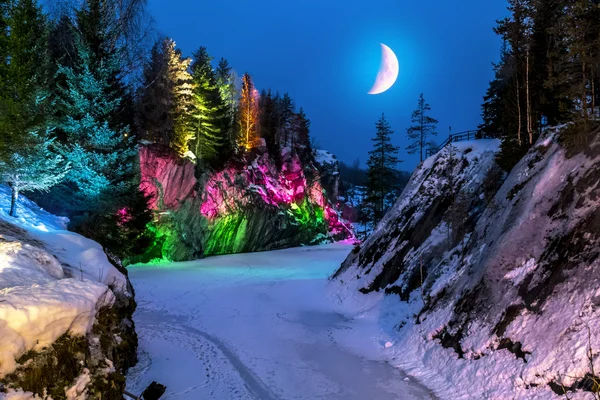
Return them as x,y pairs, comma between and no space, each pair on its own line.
105,354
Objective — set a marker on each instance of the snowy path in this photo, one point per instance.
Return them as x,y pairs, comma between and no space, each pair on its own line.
256,326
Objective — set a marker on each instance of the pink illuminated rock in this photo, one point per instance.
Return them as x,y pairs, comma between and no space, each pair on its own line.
166,177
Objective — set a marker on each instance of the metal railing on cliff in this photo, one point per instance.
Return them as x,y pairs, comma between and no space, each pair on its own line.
453,138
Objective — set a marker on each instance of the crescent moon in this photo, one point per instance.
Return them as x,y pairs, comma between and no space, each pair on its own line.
388,71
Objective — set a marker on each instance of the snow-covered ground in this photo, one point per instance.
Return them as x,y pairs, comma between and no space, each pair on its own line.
259,326
52,282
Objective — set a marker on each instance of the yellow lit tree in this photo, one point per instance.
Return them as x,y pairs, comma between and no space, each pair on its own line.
182,87
249,114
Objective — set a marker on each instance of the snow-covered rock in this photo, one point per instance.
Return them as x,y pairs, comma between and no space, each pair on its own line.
55,287
506,304
329,170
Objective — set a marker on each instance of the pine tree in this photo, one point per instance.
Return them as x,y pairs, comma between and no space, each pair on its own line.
493,108
382,173
423,127
207,110
579,29
548,101
249,114
517,31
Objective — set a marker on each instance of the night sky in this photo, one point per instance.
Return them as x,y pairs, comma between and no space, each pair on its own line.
326,54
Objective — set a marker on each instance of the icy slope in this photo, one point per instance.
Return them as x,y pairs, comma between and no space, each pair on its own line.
53,283
507,309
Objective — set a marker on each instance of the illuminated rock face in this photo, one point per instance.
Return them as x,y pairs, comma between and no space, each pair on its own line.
168,179
250,205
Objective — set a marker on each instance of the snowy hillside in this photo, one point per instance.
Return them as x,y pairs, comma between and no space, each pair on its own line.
55,287
489,296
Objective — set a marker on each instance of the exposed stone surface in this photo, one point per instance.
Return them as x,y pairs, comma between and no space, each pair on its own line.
513,290
251,205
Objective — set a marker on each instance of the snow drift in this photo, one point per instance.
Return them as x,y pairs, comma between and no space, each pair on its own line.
55,287
489,293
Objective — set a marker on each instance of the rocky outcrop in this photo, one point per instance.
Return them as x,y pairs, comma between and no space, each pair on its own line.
66,327
504,280
253,204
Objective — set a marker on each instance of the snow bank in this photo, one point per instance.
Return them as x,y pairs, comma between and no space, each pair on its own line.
52,282
323,157
78,255
511,308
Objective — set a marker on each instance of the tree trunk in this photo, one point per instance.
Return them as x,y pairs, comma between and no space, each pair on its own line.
593,88
520,119
422,133
529,117
584,99
13,200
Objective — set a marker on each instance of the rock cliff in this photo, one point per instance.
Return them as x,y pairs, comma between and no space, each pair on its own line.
489,287
253,204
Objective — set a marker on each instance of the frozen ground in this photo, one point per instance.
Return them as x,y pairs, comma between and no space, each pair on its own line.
258,326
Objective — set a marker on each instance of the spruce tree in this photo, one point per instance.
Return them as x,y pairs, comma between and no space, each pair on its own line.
268,125
285,118
24,75
102,155
155,99
101,148
423,127
34,167
207,110
302,143
226,81
382,182
4,55
27,159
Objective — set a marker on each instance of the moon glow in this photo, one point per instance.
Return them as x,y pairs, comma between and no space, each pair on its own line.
388,71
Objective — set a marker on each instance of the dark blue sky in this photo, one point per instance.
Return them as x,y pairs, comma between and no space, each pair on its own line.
326,54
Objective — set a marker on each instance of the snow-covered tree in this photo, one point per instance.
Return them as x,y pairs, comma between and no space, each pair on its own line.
34,167
102,154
